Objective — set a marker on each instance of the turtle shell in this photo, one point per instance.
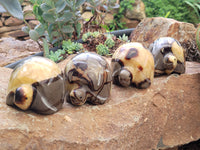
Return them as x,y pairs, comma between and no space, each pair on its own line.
169,56
87,78
36,84
136,61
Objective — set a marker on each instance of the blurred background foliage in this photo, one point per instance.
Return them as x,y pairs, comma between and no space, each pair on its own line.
181,10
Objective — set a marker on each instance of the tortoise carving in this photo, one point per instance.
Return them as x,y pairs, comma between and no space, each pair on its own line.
87,78
169,56
36,84
132,64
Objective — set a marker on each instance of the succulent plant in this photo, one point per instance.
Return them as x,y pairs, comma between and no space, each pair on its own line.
86,36
89,34
124,38
109,42
102,49
95,34
57,55
71,47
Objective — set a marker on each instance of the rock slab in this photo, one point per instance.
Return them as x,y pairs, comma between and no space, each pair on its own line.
12,50
162,116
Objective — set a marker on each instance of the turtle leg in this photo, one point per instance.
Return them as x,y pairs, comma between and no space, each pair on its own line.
180,68
102,96
144,84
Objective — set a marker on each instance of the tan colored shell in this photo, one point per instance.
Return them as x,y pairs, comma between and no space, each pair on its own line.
137,60
88,75
39,81
33,70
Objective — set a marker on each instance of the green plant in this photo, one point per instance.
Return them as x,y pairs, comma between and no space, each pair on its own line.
197,37
86,36
90,34
117,23
178,9
96,6
68,47
57,55
13,7
124,38
109,41
195,5
71,47
102,49
95,34
59,20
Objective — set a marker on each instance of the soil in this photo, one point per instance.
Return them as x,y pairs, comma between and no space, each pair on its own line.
91,43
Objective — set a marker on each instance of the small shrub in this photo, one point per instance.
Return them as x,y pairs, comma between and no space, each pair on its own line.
59,20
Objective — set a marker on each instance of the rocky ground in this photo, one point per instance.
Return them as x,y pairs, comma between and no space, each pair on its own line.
163,116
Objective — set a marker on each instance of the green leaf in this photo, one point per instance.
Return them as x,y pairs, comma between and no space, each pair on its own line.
79,3
38,12
55,33
67,29
34,35
13,7
25,29
193,6
167,15
69,3
49,17
60,5
45,7
40,29
2,10
65,17
198,6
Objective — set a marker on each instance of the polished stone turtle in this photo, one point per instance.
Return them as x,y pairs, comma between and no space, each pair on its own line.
169,56
87,78
36,84
132,64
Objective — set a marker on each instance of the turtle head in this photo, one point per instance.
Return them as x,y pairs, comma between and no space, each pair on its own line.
170,63
124,78
78,96
22,97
